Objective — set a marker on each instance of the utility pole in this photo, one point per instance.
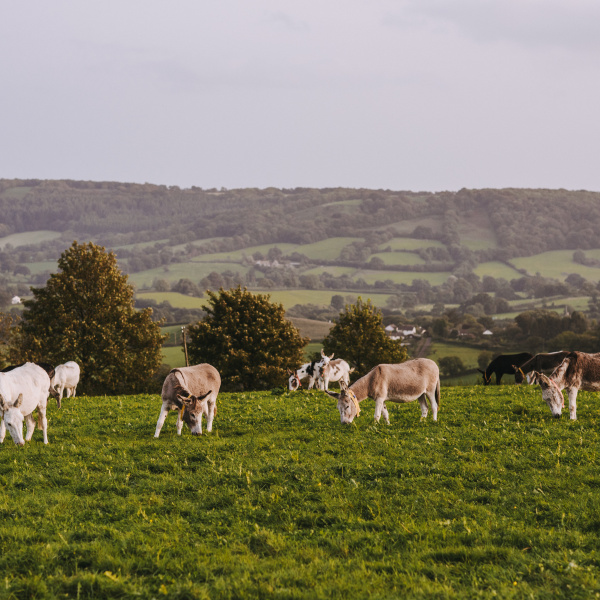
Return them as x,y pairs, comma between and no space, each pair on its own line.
187,362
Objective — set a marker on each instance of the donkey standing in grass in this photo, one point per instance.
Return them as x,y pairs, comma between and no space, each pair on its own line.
505,364
578,371
404,382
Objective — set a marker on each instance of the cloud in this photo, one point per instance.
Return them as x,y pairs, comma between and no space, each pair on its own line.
571,24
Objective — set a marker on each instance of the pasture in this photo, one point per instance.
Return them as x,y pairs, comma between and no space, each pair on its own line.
497,499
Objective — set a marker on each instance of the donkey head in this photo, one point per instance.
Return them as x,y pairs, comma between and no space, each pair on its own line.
487,379
551,394
13,419
193,407
347,403
294,381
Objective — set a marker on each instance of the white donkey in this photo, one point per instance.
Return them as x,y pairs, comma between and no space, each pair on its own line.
310,370
333,370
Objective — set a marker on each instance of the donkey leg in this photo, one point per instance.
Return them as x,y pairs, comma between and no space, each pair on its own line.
164,411
30,422
424,407
573,403
2,430
385,414
434,404
210,416
379,407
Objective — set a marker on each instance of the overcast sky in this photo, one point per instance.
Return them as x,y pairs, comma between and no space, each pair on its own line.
393,94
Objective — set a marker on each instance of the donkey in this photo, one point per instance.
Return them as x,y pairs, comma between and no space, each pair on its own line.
310,370
541,362
505,365
193,391
578,371
404,382
333,370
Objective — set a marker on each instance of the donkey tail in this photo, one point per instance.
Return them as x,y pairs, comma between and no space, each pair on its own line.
437,393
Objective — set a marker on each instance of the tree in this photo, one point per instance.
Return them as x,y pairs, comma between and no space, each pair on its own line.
451,366
358,337
247,338
86,314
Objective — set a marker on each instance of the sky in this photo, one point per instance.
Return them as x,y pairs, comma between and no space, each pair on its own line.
385,94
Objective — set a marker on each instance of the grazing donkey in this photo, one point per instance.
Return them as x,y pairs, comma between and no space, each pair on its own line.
66,378
310,370
22,390
193,391
404,382
333,370
505,365
578,371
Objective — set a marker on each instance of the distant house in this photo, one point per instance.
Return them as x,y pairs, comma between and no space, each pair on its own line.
404,332
16,300
487,332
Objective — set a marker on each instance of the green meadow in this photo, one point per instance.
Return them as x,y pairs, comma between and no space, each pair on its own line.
29,237
495,500
557,264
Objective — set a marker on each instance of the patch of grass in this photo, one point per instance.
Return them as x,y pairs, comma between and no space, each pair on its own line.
193,270
173,356
399,258
496,269
315,330
29,237
467,354
557,264
402,243
497,499
371,276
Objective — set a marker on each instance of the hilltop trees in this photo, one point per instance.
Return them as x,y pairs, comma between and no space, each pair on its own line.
247,338
85,313
358,337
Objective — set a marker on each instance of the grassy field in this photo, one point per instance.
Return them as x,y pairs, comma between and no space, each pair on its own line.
497,499
29,237
371,276
399,258
401,243
468,355
496,269
557,264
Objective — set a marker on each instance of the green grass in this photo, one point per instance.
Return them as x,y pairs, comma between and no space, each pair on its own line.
371,276
399,258
185,270
29,237
468,355
496,269
173,356
281,501
557,264
401,243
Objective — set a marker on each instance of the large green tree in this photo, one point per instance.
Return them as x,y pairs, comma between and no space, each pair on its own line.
85,313
247,338
359,338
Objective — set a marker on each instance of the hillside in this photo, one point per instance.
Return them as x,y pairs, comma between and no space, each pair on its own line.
307,246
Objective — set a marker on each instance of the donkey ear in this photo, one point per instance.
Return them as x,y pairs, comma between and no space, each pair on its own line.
185,400
289,371
482,372
2,403
336,396
19,401
322,353
343,385
200,398
332,355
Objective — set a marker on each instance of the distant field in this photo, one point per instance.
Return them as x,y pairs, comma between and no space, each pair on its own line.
496,269
238,255
42,267
29,237
335,271
173,356
407,277
403,243
407,226
139,245
186,270
557,264
16,192
315,330
468,355
288,298
176,300
327,249
399,258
